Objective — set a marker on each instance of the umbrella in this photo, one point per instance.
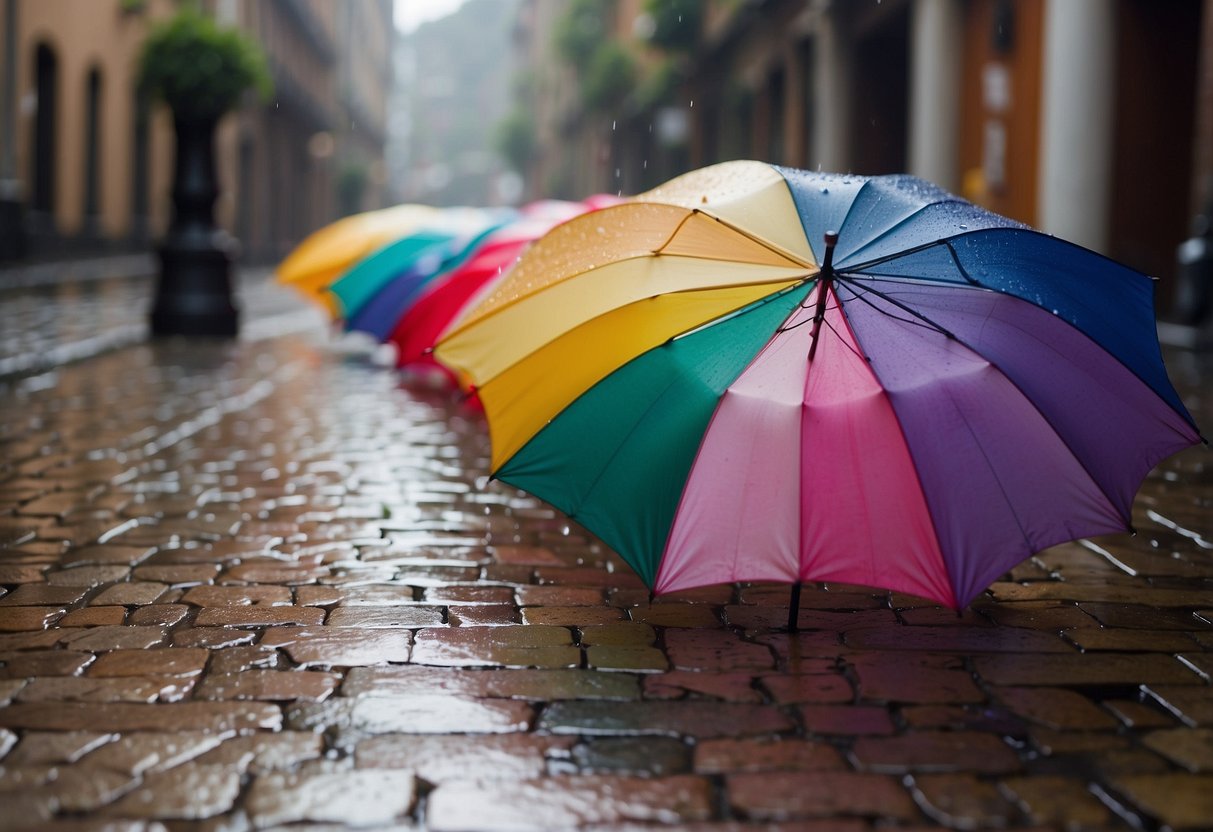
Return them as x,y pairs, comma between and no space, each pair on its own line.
442,301
722,391
325,254
373,293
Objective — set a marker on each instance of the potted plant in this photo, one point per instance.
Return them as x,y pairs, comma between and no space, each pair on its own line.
199,70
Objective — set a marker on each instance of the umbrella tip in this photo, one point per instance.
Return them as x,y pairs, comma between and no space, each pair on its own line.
827,263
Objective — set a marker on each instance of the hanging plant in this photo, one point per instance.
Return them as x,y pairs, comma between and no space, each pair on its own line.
515,138
609,78
581,30
200,69
676,23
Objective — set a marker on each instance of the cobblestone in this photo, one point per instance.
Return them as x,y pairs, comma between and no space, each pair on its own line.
266,585
568,802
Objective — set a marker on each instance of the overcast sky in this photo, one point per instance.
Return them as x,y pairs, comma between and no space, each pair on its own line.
412,13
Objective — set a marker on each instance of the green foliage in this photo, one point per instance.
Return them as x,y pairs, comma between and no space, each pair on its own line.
610,76
676,23
659,85
515,138
199,69
582,30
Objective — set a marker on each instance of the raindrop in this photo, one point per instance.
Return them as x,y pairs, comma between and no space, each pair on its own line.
963,226
612,125
692,103
825,190
645,165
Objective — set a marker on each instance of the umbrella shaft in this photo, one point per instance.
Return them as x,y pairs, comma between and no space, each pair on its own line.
823,289
819,314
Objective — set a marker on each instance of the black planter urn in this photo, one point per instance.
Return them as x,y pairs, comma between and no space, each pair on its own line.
194,291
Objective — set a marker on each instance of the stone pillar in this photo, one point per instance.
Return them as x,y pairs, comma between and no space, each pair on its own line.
795,120
1076,141
936,32
831,94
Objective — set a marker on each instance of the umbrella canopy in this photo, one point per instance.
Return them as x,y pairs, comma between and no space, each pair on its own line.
325,254
722,392
373,293
441,302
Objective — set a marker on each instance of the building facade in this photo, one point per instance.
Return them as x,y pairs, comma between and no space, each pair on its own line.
1090,119
86,159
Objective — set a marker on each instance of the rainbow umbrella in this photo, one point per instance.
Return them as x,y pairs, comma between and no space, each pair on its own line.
440,304
324,255
722,390
373,293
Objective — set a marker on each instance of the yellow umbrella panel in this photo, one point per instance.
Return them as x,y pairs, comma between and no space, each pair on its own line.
327,253
598,291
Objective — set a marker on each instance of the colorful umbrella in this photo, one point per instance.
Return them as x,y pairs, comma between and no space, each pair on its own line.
325,254
441,303
720,394
374,292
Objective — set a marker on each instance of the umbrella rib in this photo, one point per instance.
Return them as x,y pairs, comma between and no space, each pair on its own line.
838,335
897,255
971,282
767,244
950,577
923,321
1128,521
512,302
899,223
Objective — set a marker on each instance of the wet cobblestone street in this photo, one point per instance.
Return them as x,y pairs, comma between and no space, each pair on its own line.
267,584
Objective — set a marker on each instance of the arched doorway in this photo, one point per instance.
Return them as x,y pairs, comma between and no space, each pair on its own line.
44,141
92,154
140,166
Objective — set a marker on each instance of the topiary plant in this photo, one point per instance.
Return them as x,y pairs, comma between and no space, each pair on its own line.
200,69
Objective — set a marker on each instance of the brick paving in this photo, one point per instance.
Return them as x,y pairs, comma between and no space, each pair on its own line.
267,584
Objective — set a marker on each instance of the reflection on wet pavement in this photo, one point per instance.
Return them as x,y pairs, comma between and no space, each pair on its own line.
252,584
